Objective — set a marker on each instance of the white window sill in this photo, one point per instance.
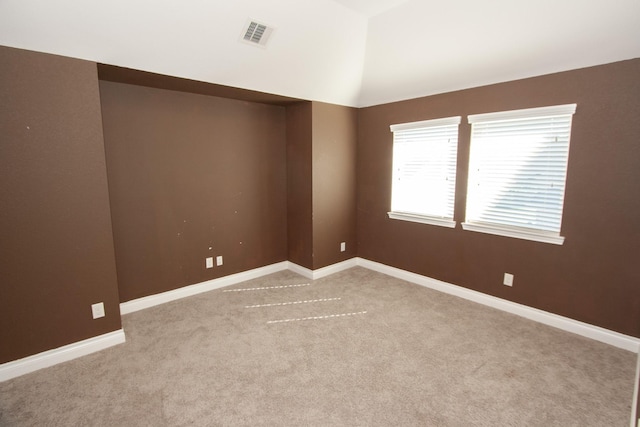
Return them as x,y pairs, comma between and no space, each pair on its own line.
514,232
442,222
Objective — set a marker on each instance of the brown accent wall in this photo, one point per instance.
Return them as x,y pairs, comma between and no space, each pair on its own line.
56,249
334,135
594,276
192,176
321,180
299,184
130,76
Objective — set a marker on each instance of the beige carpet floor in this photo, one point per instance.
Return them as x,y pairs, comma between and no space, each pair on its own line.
357,348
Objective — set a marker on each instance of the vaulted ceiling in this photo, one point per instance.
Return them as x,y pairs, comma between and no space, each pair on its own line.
348,52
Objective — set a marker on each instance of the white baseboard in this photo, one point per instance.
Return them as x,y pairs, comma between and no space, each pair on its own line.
570,325
209,285
580,328
325,271
334,268
198,288
52,357
635,416
298,269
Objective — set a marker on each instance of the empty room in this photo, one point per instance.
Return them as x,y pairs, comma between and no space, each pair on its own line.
320,212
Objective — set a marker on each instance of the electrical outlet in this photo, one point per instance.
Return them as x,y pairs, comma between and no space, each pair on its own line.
508,279
343,247
219,260
209,262
97,310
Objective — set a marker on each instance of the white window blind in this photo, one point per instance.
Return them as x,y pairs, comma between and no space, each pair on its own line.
424,171
517,172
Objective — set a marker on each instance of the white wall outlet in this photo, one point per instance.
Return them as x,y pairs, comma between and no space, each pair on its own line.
219,260
209,262
97,310
508,279
343,247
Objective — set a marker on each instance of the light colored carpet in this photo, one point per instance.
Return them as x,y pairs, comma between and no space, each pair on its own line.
357,348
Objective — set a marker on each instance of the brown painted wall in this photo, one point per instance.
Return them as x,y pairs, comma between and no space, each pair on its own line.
321,182
56,250
192,176
299,185
334,138
594,276
260,184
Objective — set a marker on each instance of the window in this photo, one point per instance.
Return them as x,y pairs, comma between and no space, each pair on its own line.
517,172
424,171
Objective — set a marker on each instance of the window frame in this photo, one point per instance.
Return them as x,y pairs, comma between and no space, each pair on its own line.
416,216
534,234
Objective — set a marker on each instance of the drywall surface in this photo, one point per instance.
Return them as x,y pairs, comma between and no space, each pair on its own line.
593,277
334,183
56,249
191,177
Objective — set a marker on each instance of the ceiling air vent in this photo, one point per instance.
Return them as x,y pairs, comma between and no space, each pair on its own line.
256,33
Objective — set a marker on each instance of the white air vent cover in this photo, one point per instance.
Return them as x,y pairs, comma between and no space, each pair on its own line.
256,33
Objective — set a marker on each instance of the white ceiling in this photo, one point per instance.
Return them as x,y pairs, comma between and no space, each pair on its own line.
348,52
370,8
